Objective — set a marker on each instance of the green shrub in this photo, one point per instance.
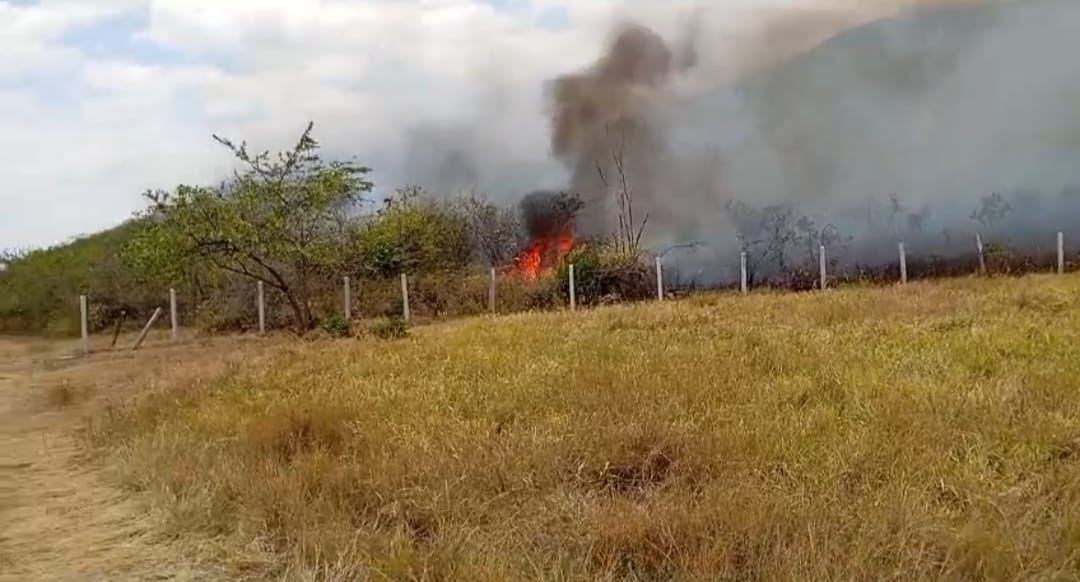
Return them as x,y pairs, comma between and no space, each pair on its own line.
412,236
603,274
39,290
336,325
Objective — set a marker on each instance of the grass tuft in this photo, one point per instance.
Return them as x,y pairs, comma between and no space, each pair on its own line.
285,434
393,328
63,395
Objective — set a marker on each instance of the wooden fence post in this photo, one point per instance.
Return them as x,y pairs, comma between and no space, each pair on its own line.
982,254
84,326
745,276
903,265
116,330
659,279
146,329
492,305
823,267
1061,253
261,301
348,299
174,315
573,290
405,297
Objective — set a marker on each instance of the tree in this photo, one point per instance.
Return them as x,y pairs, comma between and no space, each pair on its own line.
992,210
765,235
412,233
278,220
630,229
495,231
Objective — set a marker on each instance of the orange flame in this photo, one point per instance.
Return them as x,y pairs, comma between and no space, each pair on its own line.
544,252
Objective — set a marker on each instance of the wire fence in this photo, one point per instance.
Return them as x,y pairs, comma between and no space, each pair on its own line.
496,293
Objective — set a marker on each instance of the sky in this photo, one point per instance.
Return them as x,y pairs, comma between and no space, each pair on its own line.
101,100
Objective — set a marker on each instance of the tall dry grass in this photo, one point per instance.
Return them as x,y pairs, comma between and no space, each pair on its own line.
931,432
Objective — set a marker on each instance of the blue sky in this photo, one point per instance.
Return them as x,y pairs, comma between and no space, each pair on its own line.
105,99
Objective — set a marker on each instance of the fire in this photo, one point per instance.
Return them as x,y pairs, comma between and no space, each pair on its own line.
544,252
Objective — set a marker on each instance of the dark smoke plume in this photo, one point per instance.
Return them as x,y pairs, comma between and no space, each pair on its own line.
854,122
544,214
603,122
900,129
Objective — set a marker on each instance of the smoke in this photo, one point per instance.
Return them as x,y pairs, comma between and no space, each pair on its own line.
898,129
544,214
873,122
604,128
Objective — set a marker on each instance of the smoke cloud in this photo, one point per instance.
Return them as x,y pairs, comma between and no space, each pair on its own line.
873,121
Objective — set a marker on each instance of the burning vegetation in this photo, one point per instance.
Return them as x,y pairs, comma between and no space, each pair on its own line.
548,218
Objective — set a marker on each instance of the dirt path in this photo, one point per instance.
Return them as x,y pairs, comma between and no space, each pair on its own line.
59,519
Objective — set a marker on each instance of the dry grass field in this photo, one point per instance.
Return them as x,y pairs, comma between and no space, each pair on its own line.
924,433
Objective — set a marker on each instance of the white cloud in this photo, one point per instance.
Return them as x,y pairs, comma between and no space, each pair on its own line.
84,131
92,130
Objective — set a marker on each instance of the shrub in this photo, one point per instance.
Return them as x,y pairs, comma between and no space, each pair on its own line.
412,235
603,274
335,325
39,289
542,294
393,328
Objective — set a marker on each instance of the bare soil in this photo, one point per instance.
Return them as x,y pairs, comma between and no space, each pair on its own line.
59,518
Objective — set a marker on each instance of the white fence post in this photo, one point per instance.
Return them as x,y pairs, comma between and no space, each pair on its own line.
84,326
174,315
146,329
822,267
982,255
348,299
261,303
573,290
1061,253
903,265
659,279
745,286
405,297
492,305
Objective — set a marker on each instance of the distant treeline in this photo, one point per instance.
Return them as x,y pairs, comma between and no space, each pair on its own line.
299,224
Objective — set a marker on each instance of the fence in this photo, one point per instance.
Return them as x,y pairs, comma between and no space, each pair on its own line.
493,287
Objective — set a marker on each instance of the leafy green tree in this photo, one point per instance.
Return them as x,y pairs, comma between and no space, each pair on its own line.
412,233
279,219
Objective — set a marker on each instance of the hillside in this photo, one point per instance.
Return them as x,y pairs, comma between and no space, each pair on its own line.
935,109
40,288
925,433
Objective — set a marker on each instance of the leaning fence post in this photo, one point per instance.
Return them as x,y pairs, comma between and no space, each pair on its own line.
492,306
116,330
405,297
1061,253
573,290
84,326
174,315
348,299
146,329
659,279
745,286
261,302
982,254
903,265
822,267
